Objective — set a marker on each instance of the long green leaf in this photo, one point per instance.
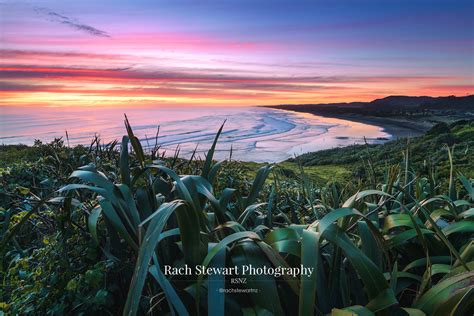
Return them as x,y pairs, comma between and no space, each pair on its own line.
124,164
92,221
146,251
439,294
373,279
257,185
310,258
210,155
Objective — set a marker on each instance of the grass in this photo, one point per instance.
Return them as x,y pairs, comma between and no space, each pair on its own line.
90,229
319,174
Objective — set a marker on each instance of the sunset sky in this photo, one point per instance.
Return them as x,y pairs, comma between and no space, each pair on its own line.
153,53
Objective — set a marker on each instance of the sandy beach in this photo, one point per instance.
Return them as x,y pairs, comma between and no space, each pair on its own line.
397,127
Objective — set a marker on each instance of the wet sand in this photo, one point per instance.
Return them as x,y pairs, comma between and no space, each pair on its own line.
397,127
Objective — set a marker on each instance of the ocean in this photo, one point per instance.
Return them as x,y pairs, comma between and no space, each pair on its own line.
255,134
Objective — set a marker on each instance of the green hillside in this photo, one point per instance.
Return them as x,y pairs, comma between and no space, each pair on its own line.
425,153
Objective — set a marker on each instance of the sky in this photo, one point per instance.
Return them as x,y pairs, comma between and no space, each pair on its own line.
231,53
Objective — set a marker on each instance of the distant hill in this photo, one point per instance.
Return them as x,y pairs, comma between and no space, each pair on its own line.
390,105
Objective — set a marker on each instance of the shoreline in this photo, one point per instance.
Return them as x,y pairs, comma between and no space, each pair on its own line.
255,134
395,126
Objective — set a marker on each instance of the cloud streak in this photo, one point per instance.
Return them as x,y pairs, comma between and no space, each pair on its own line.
129,74
73,23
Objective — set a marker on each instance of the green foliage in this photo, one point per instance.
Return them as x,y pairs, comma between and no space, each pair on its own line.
58,278
95,236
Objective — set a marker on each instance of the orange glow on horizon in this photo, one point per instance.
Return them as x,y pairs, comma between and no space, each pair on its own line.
76,87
